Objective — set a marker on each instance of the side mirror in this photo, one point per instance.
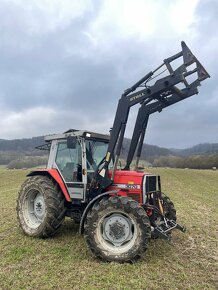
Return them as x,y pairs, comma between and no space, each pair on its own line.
71,142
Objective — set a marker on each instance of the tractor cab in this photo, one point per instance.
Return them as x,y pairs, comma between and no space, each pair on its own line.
76,155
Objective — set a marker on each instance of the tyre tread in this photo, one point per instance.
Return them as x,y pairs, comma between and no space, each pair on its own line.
55,204
129,206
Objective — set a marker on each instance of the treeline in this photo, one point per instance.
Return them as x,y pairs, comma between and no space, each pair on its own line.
200,149
21,153
21,145
7,156
149,152
18,160
192,162
27,162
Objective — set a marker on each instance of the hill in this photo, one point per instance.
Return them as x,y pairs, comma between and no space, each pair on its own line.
27,147
21,145
149,152
200,149
20,149
17,148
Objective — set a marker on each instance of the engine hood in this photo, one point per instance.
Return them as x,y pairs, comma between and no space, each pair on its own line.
128,177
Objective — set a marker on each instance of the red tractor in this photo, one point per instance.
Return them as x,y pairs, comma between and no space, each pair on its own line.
118,210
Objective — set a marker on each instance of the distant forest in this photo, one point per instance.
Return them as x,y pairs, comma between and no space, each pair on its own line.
21,153
192,162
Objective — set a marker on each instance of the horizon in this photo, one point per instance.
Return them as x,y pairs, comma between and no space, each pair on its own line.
145,143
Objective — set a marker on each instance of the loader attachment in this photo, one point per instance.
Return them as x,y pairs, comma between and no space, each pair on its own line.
188,60
180,82
164,229
192,73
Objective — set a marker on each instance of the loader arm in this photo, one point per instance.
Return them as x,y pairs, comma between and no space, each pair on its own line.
142,120
163,93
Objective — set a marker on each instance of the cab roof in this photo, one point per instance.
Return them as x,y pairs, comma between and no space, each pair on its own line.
78,133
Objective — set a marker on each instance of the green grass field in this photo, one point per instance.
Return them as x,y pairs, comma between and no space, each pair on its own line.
189,261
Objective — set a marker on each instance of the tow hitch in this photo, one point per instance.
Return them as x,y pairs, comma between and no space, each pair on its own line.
164,229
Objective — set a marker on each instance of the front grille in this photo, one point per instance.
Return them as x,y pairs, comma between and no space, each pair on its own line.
151,183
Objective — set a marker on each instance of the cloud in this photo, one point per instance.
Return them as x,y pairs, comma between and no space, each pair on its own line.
126,18
74,59
15,124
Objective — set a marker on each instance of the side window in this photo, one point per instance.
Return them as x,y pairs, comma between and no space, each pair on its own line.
69,162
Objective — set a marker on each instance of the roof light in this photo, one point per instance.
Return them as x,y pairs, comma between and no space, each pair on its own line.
88,135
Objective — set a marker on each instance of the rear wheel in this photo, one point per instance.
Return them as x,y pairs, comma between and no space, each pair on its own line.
40,207
117,229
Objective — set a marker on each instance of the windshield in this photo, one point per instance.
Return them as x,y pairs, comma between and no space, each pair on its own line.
95,152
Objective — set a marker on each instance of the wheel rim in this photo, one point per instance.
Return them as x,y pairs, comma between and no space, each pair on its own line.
117,229
117,232
34,208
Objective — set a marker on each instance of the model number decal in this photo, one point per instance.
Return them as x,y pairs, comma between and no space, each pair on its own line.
127,186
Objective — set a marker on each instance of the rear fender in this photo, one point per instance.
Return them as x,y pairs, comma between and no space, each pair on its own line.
54,174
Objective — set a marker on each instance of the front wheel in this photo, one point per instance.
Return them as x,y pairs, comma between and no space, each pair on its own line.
169,212
117,229
169,209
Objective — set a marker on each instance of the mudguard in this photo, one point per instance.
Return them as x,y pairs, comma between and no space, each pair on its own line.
90,204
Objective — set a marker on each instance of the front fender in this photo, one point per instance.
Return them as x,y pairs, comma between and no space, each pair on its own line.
89,206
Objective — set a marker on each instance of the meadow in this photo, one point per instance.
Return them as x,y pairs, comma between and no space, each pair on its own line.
188,261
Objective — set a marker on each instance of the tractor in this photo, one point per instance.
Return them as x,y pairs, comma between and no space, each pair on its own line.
118,209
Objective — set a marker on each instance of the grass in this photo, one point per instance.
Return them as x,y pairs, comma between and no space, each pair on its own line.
189,261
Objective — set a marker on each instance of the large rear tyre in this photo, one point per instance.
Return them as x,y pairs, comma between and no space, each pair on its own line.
117,229
40,207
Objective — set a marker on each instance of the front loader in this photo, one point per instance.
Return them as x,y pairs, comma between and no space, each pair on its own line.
118,210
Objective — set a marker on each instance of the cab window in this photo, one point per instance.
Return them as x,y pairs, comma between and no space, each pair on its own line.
69,162
95,152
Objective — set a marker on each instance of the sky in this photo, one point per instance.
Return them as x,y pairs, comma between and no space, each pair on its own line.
65,63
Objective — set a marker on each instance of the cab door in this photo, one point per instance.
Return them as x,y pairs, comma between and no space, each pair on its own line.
70,163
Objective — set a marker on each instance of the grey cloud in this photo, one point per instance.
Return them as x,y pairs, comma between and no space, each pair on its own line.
63,70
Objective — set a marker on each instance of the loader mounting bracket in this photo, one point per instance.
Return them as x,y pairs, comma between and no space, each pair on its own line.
164,229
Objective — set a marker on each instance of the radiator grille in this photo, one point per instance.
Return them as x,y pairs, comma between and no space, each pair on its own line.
151,183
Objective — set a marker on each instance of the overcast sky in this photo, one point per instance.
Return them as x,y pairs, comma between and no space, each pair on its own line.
65,63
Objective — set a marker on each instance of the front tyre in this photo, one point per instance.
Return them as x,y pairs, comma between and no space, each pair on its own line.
169,209
169,212
117,229
40,207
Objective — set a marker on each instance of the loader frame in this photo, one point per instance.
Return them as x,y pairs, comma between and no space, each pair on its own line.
163,93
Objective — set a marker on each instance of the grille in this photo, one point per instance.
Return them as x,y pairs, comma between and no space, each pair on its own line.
135,196
151,183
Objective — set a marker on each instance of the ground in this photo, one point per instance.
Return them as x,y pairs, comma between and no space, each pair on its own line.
189,261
